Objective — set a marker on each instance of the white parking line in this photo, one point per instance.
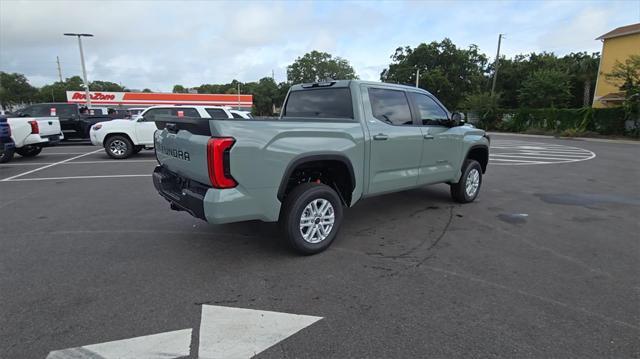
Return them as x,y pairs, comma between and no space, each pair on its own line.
72,163
61,153
48,166
10,179
533,153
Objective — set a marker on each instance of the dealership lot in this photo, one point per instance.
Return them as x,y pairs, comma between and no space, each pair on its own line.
544,264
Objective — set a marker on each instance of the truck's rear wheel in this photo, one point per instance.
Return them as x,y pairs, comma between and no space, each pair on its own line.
310,218
467,189
29,151
118,147
6,155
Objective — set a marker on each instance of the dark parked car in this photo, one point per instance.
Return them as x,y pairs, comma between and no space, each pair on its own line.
6,142
75,120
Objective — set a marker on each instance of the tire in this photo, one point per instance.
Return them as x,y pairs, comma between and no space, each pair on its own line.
301,201
118,147
471,173
137,149
7,155
29,150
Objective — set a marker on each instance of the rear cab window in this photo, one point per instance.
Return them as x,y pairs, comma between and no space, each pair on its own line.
320,103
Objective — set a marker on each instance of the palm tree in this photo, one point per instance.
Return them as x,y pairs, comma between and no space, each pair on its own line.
586,70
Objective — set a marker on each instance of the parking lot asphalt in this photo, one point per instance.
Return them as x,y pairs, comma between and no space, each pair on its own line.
546,262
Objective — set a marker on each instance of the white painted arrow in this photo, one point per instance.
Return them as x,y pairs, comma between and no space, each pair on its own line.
161,346
232,333
225,332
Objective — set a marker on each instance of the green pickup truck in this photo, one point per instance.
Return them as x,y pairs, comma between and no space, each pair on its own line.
334,144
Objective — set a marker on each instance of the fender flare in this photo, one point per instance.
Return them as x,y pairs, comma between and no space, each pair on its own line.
304,158
481,146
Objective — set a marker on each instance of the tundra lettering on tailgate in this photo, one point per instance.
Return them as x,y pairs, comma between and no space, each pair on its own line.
174,152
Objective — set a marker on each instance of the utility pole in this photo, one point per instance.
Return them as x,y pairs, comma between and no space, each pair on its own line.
273,76
418,78
238,95
59,69
84,69
496,65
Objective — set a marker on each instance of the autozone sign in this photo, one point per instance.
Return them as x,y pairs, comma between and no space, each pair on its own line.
95,96
151,99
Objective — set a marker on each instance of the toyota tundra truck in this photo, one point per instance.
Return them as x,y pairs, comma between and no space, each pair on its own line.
334,144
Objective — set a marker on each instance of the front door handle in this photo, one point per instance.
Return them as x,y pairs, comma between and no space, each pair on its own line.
380,137
428,137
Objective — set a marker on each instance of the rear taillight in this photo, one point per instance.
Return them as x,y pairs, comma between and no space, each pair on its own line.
218,161
34,127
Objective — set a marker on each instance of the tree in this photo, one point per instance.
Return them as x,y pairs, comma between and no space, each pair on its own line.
57,91
106,86
546,88
485,106
445,70
146,90
627,77
318,66
584,69
179,89
15,89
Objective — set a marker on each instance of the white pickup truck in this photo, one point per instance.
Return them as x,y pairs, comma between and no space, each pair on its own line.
124,138
31,134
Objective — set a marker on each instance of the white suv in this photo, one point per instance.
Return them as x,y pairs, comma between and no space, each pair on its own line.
123,138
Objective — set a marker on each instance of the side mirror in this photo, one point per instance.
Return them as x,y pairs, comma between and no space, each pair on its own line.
457,118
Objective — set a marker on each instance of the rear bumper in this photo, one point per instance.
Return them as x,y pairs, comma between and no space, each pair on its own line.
183,194
213,205
36,139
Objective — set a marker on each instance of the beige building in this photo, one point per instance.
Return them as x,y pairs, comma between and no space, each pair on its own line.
617,45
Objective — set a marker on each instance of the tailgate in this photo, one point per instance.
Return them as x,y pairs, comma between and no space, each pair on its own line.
48,126
181,146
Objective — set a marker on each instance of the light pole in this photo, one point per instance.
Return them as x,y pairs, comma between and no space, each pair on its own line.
84,69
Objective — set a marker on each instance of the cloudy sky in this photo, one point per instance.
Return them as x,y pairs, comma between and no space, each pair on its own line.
157,44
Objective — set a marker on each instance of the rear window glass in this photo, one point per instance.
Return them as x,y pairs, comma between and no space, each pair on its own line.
328,103
236,115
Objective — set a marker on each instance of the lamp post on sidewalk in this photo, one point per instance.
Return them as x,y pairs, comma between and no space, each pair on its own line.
84,69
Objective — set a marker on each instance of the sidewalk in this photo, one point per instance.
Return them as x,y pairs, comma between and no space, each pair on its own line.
588,139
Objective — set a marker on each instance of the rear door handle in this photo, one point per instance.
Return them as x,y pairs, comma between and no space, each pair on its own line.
428,137
380,137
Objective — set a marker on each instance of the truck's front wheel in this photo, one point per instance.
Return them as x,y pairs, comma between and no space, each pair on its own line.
310,218
467,189
118,147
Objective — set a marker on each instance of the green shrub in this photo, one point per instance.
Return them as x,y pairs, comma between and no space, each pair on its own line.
608,121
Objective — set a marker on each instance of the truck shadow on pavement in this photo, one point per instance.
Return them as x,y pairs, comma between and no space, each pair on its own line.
386,225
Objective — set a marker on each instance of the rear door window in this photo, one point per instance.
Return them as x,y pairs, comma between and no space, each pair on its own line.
217,113
65,111
322,103
390,106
